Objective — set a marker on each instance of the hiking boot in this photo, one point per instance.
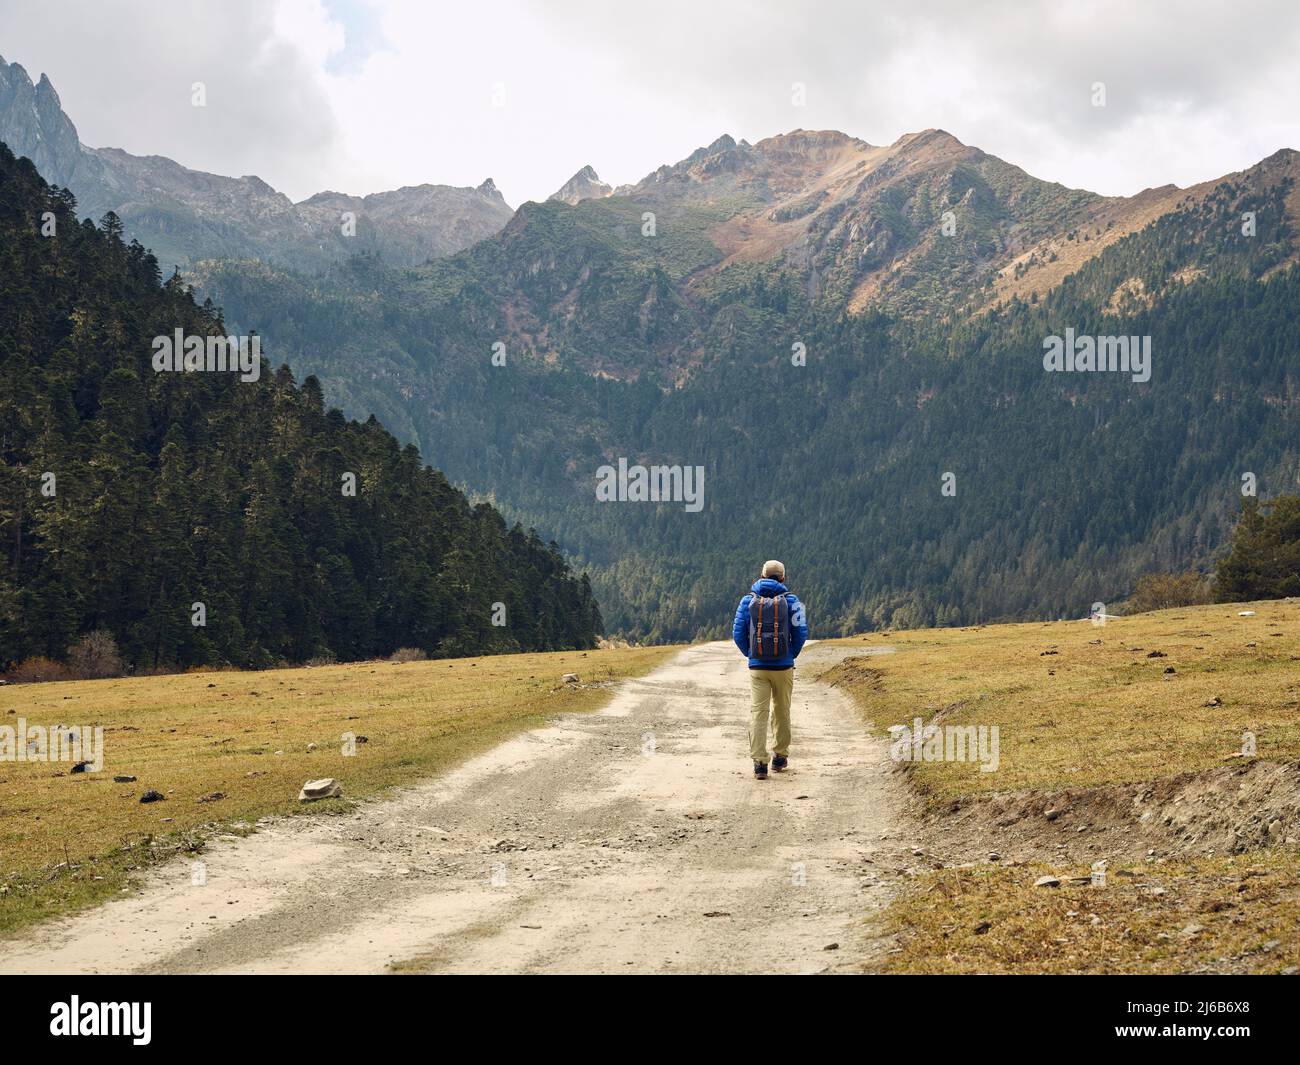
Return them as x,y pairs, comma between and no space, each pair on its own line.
779,762
760,770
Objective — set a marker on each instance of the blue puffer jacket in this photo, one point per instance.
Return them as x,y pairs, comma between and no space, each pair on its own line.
798,625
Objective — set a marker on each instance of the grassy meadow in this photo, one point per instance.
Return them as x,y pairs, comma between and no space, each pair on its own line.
1082,706
1079,705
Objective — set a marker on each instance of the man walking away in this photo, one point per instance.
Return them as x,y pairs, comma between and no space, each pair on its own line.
771,629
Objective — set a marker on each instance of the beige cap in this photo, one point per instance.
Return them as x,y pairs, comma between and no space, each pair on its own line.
774,569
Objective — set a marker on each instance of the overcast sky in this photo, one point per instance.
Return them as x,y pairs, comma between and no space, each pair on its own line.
364,95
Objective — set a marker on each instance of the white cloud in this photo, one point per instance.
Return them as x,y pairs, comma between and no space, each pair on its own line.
360,95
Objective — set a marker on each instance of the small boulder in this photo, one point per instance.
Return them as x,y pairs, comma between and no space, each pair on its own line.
326,788
152,796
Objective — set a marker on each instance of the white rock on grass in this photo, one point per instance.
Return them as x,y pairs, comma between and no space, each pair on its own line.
327,788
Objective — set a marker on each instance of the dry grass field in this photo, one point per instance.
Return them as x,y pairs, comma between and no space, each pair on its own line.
1079,705
227,748
1094,722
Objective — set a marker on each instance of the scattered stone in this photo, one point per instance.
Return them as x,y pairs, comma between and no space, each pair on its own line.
1192,930
124,779
1216,701
1053,814
1170,669
326,788
1047,881
1245,613
831,946
995,857
79,767
718,913
569,678
311,746
1157,654
152,796
216,796
982,927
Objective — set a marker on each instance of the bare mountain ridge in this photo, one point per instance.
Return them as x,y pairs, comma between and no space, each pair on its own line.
584,185
865,224
922,225
187,215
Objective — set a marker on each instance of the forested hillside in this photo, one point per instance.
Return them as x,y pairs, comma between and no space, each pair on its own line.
200,518
1067,486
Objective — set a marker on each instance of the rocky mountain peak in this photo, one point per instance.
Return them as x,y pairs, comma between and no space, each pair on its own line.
584,185
189,215
33,124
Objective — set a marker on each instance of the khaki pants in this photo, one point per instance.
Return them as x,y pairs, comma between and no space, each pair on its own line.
773,686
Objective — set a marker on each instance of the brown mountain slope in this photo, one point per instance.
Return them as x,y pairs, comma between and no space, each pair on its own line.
922,225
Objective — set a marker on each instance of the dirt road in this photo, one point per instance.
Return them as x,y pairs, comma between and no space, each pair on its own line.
630,840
